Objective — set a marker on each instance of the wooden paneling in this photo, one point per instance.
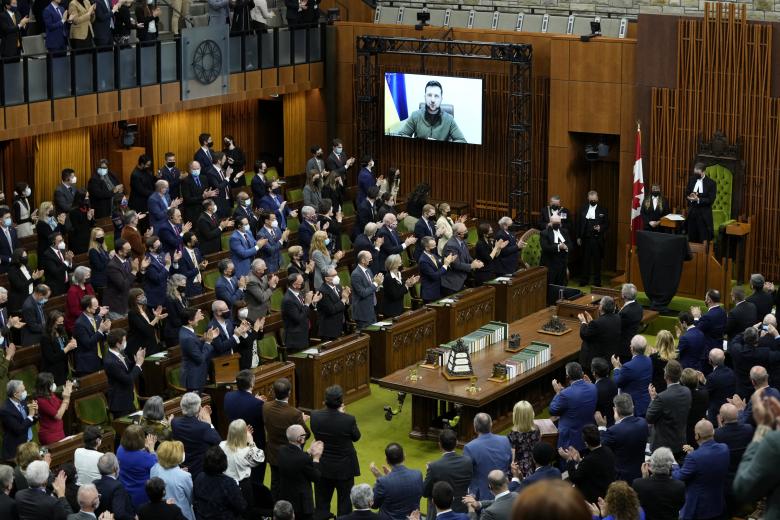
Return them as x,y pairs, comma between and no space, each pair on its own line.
559,54
108,102
170,93
270,78
130,98
595,61
150,96
40,112
87,105
64,109
301,73
253,80
559,118
316,75
587,112
286,75
16,117
723,72
237,83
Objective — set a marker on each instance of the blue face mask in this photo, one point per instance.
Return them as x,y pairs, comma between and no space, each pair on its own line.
42,301
7,222
247,228
339,149
102,171
195,173
327,241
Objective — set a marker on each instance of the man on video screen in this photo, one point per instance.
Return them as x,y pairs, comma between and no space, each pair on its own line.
431,122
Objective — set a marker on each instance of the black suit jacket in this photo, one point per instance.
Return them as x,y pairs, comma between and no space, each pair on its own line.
338,431
7,249
594,474
367,213
100,196
363,243
661,497
121,381
330,312
668,413
19,288
763,301
36,504
11,35
192,195
544,218
552,258
115,498
737,437
14,428
297,471
141,186
209,234
630,318
740,317
360,515
8,507
585,226
159,510
333,163
653,215
454,469
721,385
393,297
600,338
34,319
295,316
55,270
606,390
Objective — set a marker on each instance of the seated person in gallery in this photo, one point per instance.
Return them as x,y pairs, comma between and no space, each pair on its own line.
431,122
654,208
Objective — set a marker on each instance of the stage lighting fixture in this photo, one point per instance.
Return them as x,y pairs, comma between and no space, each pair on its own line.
603,149
333,15
129,132
595,30
423,18
591,152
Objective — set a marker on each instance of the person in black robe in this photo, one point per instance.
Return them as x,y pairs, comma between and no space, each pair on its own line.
701,192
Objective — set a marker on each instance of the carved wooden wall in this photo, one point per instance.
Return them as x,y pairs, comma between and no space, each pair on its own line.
723,82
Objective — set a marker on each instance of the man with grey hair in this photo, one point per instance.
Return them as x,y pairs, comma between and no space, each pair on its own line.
35,503
627,438
455,278
17,416
365,284
113,495
487,452
635,376
283,510
392,243
368,241
89,501
508,259
298,469
554,209
259,289
308,227
762,296
195,431
7,504
555,243
660,495
159,202
362,497
630,319
721,383
592,225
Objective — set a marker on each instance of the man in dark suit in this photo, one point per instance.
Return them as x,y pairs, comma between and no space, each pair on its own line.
600,337
18,415
398,491
332,308
64,192
274,203
204,155
337,161
369,241
309,226
169,172
424,227
172,232
228,335
157,507
89,330
630,319
241,403
634,377
35,503
8,238
219,180
103,24
746,354
705,472
606,389
392,243
103,189
228,288
121,274
338,431
194,190
367,210
660,495
701,192
278,415
574,406
692,345
57,264
555,209
11,26
487,452
121,375
452,468
196,352
653,209
365,285
627,438
555,243
244,210
668,411
7,504
593,473
737,437
742,315
34,316
260,186
592,225
141,184
762,299
158,203
543,455
508,260
113,495
295,313
713,322
88,500
195,430
192,264
298,469
721,384
499,508
455,278
443,500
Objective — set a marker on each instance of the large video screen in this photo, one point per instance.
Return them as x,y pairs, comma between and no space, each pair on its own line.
438,108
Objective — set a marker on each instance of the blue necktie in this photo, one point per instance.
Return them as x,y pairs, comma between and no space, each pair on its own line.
197,181
24,416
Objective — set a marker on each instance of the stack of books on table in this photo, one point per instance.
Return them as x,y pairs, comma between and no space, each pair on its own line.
530,357
489,334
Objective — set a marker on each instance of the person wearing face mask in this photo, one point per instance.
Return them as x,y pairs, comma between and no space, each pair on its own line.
338,162
275,203
103,187
17,416
122,373
554,208
243,247
312,191
455,278
21,281
194,190
82,220
228,334
147,14
556,244
34,316
118,211
424,227
364,284
295,314
55,346
259,183
444,225
80,286
156,275
204,155
49,222
244,209
132,234
247,342
209,228
259,289
13,25
192,264
8,239
141,187
236,160
51,409
220,178
365,179
159,203
654,208
298,266
64,192
316,161
89,331
508,260
271,252
592,226
175,303
487,250
368,210
332,308
172,233
57,264
432,268
121,274
169,172
701,192
22,215
323,261
330,222
144,321
395,288
178,482
392,243
333,189
98,259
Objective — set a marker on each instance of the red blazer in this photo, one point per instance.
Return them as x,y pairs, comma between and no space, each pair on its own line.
73,304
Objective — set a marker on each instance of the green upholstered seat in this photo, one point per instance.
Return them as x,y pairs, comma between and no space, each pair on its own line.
405,258
295,195
271,174
92,409
225,242
210,279
202,325
345,277
173,378
285,259
472,238
109,242
276,299
721,206
249,175
402,228
532,252
293,224
32,260
346,243
348,208
267,348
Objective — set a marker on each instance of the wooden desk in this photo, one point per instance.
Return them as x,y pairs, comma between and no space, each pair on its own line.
154,372
265,375
30,355
471,309
590,303
62,451
523,294
341,362
435,398
403,343
739,233
672,225
171,407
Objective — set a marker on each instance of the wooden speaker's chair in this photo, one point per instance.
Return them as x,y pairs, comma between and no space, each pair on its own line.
531,255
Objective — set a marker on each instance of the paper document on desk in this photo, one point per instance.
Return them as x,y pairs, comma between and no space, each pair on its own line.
382,324
675,217
313,350
446,300
503,279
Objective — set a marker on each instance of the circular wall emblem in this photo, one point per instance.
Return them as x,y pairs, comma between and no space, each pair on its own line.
207,62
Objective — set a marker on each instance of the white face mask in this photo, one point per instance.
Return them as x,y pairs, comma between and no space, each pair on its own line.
53,387
26,192
61,246
336,280
275,224
23,396
243,314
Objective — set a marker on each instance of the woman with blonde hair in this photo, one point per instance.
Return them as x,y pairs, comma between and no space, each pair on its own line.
242,455
395,288
178,483
444,224
319,253
99,256
665,350
621,503
298,266
524,436
48,222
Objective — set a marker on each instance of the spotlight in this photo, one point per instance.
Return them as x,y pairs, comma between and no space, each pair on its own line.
422,19
389,412
591,152
333,15
595,30
129,131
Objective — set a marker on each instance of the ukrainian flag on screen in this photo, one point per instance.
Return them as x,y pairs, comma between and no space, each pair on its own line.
395,99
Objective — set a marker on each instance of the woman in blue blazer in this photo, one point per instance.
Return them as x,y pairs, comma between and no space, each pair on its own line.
136,458
432,268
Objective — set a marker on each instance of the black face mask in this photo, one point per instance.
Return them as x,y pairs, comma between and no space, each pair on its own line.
181,289
99,240
210,144
172,164
60,329
556,226
593,202
23,260
655,193
555,207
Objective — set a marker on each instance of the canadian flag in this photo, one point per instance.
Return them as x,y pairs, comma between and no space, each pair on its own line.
638,195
